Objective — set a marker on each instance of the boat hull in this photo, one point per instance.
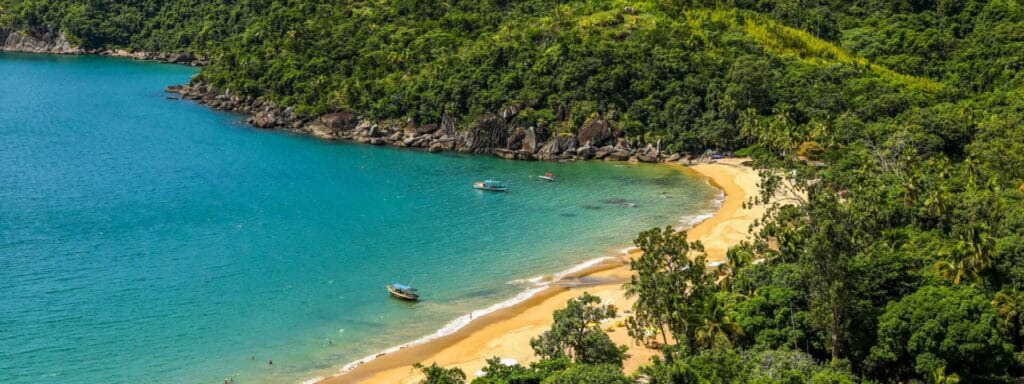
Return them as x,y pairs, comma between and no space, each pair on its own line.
407,296
485,187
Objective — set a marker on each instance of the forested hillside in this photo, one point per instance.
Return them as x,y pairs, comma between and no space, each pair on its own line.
677,71
900,125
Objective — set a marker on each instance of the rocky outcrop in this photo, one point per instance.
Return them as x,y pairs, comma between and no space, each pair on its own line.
45,41
497,134
557,147
173,58
340,121
36,41
595,132
488,133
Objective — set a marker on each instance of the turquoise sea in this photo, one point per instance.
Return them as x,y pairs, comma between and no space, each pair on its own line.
152,240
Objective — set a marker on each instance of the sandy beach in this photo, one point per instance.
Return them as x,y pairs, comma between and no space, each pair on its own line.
506,333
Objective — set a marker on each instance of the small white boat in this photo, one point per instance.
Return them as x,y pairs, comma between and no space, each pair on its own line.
490,185
548,177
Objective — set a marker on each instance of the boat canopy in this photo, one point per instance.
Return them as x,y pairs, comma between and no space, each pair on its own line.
403,287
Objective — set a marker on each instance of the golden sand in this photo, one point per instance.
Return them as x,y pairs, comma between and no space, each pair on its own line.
506,333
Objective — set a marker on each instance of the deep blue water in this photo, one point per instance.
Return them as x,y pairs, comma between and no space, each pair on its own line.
152,240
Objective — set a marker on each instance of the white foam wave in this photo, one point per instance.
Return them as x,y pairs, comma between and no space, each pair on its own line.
690,221
530,280
581,267
312,380
540,282
628,250
450,328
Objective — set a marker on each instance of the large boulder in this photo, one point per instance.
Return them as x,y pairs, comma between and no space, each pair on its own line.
595,132
586,152
558,145
618,155
319,130
515,141
36,40
448,123
183,58
623,144
487,133
340,121
531,140
265,119
426,129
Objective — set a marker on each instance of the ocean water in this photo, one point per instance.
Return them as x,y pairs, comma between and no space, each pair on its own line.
152,240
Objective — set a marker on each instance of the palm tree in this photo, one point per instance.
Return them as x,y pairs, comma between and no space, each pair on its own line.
969,257
956,271
737,258
978,246
717,327
1008,305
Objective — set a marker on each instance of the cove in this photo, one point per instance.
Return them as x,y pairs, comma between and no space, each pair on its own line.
147,239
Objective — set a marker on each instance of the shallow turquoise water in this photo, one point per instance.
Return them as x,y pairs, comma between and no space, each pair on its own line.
152,240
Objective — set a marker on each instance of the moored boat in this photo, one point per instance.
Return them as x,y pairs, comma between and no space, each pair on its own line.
490,185
402,291
548,177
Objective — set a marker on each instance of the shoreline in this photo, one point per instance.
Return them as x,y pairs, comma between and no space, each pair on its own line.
505,328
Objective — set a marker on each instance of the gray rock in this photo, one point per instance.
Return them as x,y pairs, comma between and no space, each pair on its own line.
340,121
595,132
426,129
320,130
618,155
515,141
623,144
182,58
530,140
264,119
558,145
505,153
646,158
489,132
37,41
586,152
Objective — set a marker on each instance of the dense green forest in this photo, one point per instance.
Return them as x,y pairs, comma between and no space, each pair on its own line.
897,125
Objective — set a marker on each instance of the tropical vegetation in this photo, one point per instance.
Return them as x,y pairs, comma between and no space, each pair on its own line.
890,133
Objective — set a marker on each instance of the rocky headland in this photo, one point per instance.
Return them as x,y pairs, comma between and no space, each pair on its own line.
500,134
39,40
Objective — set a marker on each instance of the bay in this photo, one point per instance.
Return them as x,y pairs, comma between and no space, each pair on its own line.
152,240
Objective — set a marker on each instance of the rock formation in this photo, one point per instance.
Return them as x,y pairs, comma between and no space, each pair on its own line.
497,134
36,41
